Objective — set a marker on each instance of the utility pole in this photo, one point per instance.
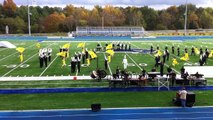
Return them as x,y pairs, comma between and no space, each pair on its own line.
102,22
28,9
185,25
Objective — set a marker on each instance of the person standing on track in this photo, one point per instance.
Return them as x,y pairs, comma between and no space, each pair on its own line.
183,94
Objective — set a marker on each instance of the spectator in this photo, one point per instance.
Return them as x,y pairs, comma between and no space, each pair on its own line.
183,94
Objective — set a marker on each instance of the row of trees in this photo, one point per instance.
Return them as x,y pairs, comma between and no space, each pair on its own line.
48,19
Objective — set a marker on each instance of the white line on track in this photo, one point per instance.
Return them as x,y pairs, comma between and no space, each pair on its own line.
19,65
154,57
48,66
133,61
14,53
116,114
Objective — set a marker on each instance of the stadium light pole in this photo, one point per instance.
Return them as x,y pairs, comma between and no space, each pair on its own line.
28,10
185,25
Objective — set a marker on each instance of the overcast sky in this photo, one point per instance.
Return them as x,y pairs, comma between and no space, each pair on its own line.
156,4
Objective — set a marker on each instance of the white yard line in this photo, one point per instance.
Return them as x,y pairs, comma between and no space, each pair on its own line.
14,53
48,66
19,65
76,73
133,61
154,57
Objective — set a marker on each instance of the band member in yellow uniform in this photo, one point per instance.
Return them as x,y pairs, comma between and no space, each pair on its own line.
21,57
63,61
109,58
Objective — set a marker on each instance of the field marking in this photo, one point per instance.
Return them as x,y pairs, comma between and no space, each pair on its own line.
154,57
19,65
134,61
48,66
14,53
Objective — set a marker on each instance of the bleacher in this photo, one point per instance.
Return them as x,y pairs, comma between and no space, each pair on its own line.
109,31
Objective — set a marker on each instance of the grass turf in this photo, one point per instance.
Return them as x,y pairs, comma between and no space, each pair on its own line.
107,99
56,69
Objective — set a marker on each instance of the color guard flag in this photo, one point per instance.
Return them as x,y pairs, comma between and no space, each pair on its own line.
92,54
174,62
67,46
62,54
211,53
159,53
109,47
20,49
38,45
110,52
197,52
185,57
81,45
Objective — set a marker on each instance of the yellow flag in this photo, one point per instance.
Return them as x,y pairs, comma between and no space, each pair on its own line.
159,53
197,51
109,47
81,45
66,46
174,62
20,49
92,54
211,53
185,57
111,52
62,54
38,45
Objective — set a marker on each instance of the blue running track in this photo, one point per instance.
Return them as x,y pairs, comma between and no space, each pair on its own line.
195,113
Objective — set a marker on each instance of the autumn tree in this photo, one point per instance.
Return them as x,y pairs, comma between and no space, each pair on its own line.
51,22
206,20
113,16
9,8
95,18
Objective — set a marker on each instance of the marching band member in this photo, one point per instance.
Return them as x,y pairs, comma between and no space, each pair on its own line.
41,57
125,62
49,53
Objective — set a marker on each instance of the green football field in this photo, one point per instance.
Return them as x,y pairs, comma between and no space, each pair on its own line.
11,66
